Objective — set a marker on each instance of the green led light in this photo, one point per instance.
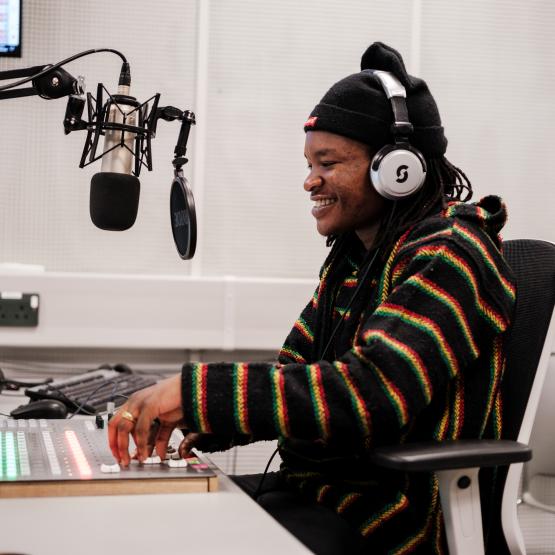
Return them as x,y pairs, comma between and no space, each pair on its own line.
11,456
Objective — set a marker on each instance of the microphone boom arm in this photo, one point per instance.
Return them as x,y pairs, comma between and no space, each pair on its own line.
48,84
52,81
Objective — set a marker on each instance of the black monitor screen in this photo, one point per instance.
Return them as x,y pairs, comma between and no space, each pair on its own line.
10,27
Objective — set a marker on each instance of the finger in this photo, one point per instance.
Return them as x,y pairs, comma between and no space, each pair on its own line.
187,444
124,428
153,433
142,430
112,437
163,438
113,433
133,453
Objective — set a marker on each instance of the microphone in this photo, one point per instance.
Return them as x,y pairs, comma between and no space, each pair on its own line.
128,128
114,193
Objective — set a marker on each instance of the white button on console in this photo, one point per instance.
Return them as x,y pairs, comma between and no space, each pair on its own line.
109,468
152,460
173,463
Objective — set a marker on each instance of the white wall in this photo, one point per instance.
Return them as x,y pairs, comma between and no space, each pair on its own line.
252,70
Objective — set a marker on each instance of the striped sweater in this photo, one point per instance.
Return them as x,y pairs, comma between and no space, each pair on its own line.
421,361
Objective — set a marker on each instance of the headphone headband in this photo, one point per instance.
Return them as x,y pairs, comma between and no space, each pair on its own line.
391,85
397,94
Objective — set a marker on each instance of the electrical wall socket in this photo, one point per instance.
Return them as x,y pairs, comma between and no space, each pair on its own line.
19,309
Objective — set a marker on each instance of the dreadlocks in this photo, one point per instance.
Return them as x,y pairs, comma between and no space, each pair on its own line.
444,182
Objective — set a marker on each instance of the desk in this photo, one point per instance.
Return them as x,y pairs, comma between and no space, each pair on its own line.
227,521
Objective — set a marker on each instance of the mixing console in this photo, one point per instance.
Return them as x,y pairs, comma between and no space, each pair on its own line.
71,457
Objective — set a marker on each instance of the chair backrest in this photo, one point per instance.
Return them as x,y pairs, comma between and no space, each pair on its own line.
528,348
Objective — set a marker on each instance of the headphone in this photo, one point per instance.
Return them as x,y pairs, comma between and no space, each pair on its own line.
397,170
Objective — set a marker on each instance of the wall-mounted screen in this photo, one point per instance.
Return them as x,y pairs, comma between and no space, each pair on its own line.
10,28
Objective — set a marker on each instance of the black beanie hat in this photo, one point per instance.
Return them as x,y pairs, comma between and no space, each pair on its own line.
358,108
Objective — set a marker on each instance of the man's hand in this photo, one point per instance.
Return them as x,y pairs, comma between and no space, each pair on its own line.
160,402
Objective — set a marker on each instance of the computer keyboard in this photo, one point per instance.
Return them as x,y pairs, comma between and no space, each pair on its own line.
89,393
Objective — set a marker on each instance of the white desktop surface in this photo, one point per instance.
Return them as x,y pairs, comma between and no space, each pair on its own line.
226,521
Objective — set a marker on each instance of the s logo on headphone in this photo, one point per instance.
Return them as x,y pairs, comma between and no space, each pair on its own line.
402,174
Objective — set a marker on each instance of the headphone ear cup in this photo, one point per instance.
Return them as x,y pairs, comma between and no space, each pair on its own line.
397,171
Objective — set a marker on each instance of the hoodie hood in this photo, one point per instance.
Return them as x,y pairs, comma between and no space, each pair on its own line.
489,213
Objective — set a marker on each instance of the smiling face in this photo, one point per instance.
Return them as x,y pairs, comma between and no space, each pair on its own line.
339,184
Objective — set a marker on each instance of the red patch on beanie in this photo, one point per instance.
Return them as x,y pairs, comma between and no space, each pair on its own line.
311,122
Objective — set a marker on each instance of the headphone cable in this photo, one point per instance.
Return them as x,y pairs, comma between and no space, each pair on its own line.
358,287
258,491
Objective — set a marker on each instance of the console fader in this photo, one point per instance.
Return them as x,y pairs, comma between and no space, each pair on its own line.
42,458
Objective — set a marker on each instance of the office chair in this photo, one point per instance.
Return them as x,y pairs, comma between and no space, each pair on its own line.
536,512
456,463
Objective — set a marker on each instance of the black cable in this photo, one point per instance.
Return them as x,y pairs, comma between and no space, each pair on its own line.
80,407
258,491
358,288
59,64
18,384
333,333
70,401
113,381
120,395
13,385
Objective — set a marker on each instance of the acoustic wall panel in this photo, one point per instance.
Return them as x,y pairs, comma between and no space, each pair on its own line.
269,63
492,67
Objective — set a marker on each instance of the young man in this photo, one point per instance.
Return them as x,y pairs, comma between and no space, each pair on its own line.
402,341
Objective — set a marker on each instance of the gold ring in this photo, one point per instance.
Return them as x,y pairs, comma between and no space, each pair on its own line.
128,416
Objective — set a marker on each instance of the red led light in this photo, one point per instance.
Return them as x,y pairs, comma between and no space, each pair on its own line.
78,455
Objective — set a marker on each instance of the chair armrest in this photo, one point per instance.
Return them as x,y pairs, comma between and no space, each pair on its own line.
447,455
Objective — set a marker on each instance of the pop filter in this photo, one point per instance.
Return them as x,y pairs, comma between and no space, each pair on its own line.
183,217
